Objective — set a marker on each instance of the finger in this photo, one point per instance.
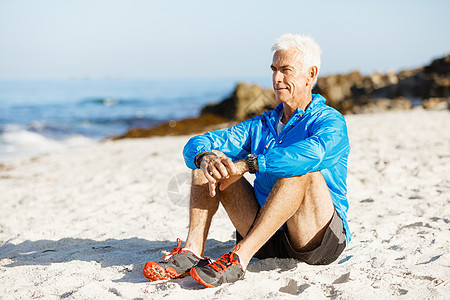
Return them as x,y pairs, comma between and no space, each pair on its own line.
227,182
208,175
219,153
223,185
214,172
230,164
222,169
212,189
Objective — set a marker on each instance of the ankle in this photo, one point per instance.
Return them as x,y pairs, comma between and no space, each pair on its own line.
243,259
196,253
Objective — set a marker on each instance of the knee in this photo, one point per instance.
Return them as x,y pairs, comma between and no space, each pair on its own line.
294,179
198,178
308,177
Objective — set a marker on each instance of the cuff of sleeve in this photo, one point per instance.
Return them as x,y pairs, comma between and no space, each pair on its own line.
261,163
189,156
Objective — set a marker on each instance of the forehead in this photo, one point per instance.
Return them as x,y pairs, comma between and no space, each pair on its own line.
289,57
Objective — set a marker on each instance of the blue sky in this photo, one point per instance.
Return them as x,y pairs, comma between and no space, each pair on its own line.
178,39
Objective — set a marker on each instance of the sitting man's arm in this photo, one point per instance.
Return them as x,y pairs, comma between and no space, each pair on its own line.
234,142
322,150
218,168
215,151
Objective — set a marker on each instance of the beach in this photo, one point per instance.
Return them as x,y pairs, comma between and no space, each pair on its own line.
81,223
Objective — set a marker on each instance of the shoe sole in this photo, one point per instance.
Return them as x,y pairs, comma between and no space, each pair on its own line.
197,278
153,272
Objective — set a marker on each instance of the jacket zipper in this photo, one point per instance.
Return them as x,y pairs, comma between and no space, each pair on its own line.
278,139
290,127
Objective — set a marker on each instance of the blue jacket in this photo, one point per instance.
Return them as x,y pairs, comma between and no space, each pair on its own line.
312,140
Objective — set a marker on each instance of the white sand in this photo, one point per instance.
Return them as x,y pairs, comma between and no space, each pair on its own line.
81,224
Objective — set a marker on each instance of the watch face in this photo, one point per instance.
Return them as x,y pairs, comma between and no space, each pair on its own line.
251,159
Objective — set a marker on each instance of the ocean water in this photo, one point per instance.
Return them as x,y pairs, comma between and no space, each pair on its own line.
38,116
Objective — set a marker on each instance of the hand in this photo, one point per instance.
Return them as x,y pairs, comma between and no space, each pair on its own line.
217,168
241,167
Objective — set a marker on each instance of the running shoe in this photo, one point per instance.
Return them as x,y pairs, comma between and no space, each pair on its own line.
177,264
226,269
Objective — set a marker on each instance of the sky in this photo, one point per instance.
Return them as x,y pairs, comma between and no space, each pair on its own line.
200,39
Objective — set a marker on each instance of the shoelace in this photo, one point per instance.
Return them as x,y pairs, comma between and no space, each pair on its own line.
227,259
175,251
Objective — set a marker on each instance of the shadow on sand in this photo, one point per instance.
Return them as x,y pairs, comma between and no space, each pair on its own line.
128,256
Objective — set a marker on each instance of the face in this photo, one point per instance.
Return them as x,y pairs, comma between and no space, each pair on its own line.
289,81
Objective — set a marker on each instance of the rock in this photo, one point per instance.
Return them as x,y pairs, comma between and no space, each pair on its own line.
201,124
338,88
383,104
348,93
375,106
436,103
351,92
401,103
245,102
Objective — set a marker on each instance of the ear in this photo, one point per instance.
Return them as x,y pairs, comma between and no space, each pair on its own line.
312,74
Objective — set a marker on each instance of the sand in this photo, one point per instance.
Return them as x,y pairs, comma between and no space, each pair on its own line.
81,223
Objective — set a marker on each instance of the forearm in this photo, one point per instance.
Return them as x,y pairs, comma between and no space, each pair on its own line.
242,165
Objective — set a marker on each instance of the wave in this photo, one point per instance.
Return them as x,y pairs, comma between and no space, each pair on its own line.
137,121
114,101
18,142
99,102
97,128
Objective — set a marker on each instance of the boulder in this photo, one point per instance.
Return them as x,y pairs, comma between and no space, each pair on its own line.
351,92
383,104
245,102
436,103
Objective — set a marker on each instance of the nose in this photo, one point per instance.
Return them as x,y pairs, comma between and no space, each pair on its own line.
277,76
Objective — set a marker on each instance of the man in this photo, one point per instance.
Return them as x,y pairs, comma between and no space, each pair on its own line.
297,206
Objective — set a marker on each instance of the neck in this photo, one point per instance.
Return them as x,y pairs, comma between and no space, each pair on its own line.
289,108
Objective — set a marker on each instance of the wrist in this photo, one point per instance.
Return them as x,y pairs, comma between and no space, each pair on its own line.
252,163
242,166
199,157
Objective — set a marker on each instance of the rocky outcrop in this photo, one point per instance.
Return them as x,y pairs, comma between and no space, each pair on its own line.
436,103
354,93
201,124
428,86
245,102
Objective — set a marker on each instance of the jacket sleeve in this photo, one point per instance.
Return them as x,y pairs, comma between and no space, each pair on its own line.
323,149
234,142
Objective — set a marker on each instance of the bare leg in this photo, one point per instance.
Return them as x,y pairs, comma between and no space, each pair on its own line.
238,200
240,204
304,202
201,210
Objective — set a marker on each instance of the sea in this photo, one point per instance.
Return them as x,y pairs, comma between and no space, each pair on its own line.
41,116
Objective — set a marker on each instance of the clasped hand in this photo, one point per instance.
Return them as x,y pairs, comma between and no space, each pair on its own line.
220,170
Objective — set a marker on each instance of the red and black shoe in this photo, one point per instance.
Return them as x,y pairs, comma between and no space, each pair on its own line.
177,264
226,269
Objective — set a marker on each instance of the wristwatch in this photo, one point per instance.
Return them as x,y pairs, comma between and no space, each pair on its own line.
251,161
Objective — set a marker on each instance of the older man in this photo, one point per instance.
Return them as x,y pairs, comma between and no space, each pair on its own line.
297,206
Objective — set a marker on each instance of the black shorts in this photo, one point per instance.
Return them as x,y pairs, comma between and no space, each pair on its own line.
332,245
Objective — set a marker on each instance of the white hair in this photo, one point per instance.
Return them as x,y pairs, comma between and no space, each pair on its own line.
305,44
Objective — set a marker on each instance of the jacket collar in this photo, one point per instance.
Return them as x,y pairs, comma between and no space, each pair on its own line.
317,100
